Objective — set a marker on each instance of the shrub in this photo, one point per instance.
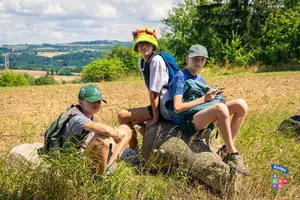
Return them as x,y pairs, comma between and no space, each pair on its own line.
65,72
129,58
9,79
45,80
103,69
30,78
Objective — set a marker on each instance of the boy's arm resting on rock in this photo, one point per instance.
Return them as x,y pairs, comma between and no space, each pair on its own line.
101,128
179,106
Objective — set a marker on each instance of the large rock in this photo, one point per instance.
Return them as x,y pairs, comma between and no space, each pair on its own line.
165,146
291,125
24,154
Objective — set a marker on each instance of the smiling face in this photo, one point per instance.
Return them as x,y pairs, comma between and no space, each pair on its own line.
195,63
145,48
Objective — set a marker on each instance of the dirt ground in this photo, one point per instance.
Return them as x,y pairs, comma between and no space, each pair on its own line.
27,112
37,74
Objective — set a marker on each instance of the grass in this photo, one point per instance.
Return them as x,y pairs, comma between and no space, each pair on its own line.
271,97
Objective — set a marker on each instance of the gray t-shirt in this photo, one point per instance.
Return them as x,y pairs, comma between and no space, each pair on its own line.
158,82
74,131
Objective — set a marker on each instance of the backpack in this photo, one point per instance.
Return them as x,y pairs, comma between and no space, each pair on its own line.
54,138
192,90
291,124
170,63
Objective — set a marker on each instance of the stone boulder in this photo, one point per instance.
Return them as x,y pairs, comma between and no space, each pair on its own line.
291,125
165,146
24,154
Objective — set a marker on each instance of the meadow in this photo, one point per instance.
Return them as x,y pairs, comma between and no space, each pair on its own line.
26,112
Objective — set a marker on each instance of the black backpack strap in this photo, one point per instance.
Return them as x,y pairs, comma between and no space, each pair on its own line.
145,69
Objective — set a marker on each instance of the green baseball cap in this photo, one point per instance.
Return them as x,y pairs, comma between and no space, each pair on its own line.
91,93
197,50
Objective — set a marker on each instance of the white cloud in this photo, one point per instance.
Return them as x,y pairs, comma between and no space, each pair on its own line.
55,9
105,10
58,21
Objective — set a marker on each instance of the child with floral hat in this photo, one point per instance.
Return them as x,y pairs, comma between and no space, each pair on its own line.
156,76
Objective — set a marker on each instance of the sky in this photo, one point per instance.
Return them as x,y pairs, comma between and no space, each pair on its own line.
63,21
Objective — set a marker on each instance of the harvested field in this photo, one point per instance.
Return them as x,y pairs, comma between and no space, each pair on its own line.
271,97
51,54
37,74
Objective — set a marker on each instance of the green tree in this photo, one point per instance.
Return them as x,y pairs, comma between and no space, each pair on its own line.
65,72
281,40
180,31
129,58
211,24
235,52
103,69
9,79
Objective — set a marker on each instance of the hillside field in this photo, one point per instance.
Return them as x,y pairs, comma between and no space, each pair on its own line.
26,112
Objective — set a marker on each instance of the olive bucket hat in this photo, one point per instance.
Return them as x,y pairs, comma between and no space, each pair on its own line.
145,35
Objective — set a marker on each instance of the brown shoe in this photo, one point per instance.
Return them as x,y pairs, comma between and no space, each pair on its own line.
235,161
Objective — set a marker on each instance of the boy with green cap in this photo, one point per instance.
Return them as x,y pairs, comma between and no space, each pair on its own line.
218,113
156,76
95,139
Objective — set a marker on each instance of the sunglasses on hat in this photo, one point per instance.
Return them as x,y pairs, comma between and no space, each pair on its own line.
148,31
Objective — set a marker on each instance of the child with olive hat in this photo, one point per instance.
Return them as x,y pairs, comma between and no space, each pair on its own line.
218,113
95,139
156,76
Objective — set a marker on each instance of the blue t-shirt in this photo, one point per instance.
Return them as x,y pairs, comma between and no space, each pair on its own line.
177,84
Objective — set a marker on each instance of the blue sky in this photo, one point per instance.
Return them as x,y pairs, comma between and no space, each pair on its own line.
60,21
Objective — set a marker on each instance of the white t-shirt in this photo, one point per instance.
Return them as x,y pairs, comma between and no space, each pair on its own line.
158,82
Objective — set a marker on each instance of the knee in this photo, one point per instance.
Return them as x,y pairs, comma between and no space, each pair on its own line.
126,129
242,105
122,115
99,146
104,143
222,110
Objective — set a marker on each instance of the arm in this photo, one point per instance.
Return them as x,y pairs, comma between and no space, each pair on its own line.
154,100
101,128
179,106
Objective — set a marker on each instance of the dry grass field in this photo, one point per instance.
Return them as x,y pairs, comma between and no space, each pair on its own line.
51,54
37,74
271,97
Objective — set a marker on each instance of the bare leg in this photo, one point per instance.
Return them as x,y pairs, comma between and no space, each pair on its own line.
238,108
120,147
216,112
98,150
131,117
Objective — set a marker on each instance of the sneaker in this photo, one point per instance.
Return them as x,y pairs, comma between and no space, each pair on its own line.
110,169
222,152
235,161
130,156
